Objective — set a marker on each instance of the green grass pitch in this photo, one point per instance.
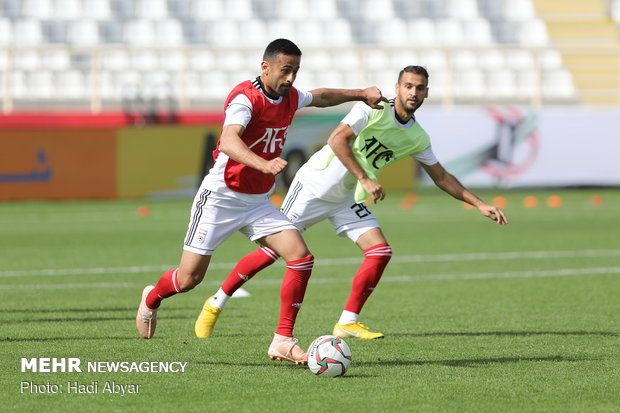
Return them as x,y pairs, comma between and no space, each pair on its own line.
477,317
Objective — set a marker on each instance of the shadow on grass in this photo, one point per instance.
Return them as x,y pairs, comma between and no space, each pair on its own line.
470,362
80,319
45,339
507,333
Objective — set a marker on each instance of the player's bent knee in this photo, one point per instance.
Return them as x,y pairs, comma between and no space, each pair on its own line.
189,280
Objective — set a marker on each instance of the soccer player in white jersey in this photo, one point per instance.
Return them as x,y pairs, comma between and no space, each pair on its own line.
234,194
336,181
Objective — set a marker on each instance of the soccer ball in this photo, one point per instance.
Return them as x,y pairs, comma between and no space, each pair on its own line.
329,356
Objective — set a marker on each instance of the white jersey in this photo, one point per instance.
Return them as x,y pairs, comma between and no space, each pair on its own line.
325,176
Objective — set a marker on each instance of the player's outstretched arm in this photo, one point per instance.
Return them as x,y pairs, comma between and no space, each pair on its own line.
233,146
331,97
448,183
339,142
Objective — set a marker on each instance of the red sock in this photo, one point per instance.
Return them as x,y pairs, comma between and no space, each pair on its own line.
247,267
167,286
367,276
292,293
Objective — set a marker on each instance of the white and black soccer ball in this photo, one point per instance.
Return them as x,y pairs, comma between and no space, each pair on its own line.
329,356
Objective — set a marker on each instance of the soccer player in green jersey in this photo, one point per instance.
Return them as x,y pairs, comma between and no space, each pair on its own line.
334,184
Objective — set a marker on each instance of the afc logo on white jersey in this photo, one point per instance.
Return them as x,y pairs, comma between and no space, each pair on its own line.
271,138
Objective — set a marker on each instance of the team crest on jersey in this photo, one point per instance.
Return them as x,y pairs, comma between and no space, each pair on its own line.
377,153
272,139
202,233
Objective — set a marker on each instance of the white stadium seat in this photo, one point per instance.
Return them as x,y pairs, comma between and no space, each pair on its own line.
169,33
27,32
6,32
37,9
462,9
422,32
67,9
83,33
40,84
139,33
96,9
151,9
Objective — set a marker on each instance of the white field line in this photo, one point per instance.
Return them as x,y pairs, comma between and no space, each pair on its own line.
476,256
562,272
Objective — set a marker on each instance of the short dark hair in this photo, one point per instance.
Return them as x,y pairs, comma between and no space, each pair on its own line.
418,70
283,46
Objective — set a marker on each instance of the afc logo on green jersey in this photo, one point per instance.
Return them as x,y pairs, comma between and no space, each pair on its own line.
377,153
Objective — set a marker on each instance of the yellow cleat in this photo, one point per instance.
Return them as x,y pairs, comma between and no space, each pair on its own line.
206,320
357,330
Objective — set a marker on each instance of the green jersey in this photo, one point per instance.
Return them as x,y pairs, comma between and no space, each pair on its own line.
382,141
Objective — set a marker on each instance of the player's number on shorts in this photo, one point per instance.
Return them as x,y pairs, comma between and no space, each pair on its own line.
360,210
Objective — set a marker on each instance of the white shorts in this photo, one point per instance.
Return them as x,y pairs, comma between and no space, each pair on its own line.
347,218
215,217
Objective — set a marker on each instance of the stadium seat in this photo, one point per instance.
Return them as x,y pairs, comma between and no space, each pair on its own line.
558,84
391,32
461,9
501,84
37,9
40,84
28,60
519,59
532,33
338,33
96,9
371,13
143,60
477,32
139,33
491,59
123,9
67,9
449,32
172,61
11,9
282,28
468,84
54,31
6,32
224,33
18,87
27,32
151,9
56,60
329,78
399,59
345,60
207,10
230,60
240,10
83,33
201,61
325,10
518,10
70,84
114,60
169,33
315,60
463,59
295,10
310,32
254,32
422,32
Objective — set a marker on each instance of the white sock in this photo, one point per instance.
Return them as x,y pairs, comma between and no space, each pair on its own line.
347,317
219,299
